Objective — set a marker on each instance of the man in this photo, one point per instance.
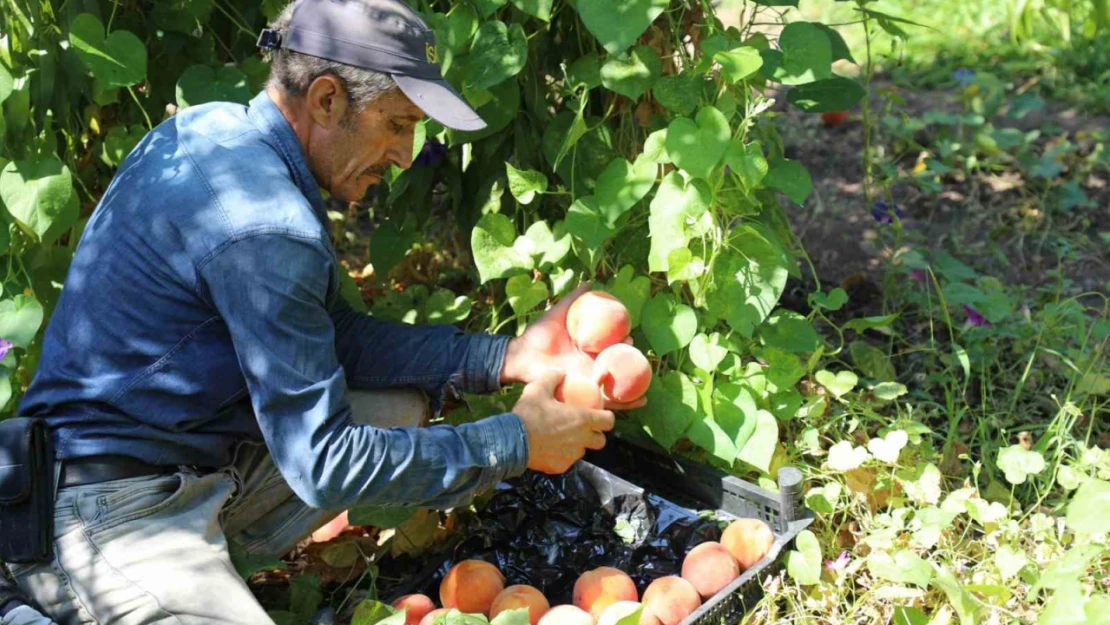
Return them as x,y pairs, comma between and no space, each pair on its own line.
197,370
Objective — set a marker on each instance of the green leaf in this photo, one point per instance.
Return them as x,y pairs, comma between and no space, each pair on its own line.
675,202
806,54
247,564
492,244
305,597
546,247
118,60
498,113
1019,463
739,63
872,361
655,147
759,449
839,384
747,163
908,615
585,72
879,324
668,324
586,221
706,351
791,178
1089,510
631,76
966,606
7,83
622,184
1068,568
708,435
749,280
735,411
454,617
516,616
204,83
678,93
904,567
371,612
341,555
498,53
827,95
39,194
538,8
1009,561
889,391
524,184
443,306
1067,607
804,563
380,516
784,368
834,300
787,330
618,23
698,145
119,142
487,7
633,291
840,49
524,294
674,404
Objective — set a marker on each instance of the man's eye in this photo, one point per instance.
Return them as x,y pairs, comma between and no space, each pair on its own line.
398,127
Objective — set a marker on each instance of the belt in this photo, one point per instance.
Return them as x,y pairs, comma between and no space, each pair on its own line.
96,469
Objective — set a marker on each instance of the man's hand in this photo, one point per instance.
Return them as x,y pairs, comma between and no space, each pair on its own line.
558,434
547,345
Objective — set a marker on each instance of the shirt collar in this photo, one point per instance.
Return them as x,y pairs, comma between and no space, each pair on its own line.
266,115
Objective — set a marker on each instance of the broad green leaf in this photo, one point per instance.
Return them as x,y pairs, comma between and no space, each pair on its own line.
538,8
839,384
747,163
833,300
1066,569
586,221
454,617
904,567
749,278
342,555
791,178
389,243
965,605
844,457
498,112
524,294
739,63
119,142
622,184
1009,561
1067,606
683,266
872,361
492,244
784,369
1098,605
631,76
118,60
806,54
827,96
1089,510
516,616
804,563
889,391
633,291
487,7
5,388
524,184
618,23
380,516
655,147
668,324
498,53
706,351
824,499
1019,463
674,406
735,411
707,434
546,247
585,72
759,449
840,49
879,324
675,202
678,93
247,564
787,330
921,483
697,145
908,615
371,612
204,83
39,194
7,84
443,306
305,597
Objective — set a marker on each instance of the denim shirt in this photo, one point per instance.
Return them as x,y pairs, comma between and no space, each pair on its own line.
202,308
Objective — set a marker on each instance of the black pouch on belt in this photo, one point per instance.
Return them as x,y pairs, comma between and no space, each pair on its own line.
26,491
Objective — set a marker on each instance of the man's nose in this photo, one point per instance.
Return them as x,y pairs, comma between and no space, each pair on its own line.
401,152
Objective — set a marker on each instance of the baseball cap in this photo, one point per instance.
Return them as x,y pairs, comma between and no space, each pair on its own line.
381,35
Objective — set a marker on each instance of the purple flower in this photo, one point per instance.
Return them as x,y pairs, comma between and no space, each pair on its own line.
884,214
431,154
964,76
919,275
5,346
975,318
838,565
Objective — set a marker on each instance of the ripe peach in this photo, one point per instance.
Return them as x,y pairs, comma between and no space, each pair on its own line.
418,607
602,587
671,599
597,320
521,596
566,615
615,612
431,616
623,372
470,586
709,567
748,540
578,390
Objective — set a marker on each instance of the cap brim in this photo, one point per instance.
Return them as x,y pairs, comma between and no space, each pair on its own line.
439,100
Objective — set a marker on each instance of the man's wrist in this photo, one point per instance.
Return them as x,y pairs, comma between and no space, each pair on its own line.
512,369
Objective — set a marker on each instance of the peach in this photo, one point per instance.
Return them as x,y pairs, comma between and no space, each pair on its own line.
748,540
521,596
417,606
623,372
578,390
602,587
615,612
710,567
470,586
431,616
566,615
671,599
597,320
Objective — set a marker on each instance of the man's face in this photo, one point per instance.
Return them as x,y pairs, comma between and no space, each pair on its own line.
349,156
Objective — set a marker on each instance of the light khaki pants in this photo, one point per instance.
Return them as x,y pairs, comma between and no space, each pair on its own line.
155,549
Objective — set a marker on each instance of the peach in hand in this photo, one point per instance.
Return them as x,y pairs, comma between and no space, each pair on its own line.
597,320
623,372
578,390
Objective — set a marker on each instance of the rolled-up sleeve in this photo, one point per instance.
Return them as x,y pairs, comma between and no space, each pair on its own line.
284,338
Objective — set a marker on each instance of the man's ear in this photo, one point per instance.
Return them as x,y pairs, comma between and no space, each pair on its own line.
326,101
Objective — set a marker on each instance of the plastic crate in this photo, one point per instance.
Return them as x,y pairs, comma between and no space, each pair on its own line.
699,486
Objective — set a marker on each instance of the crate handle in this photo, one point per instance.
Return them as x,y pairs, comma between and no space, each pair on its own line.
790,492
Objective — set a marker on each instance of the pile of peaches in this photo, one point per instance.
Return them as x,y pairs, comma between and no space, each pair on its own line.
599,324
605,595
